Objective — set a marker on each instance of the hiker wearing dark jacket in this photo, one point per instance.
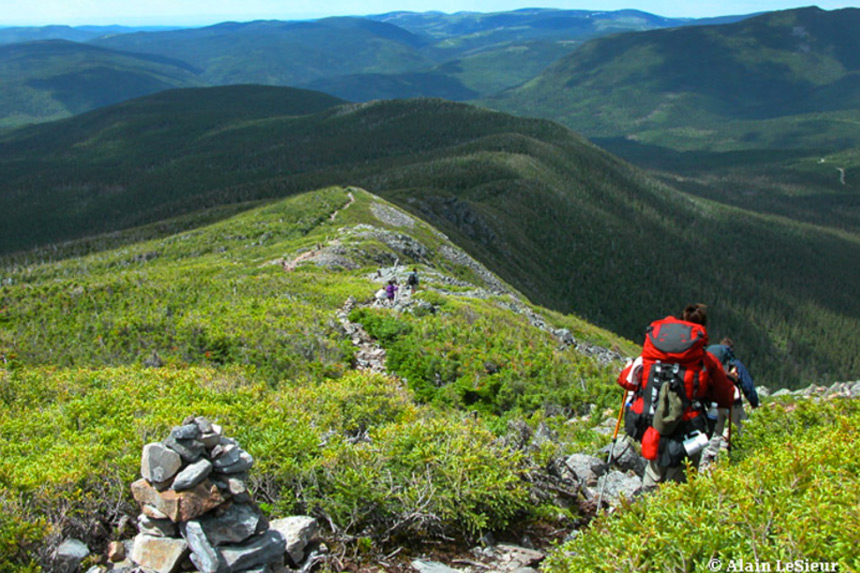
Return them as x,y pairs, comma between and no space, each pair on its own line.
744,385
725,353
672,381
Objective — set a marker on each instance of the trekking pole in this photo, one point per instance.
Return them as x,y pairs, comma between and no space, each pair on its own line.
612,448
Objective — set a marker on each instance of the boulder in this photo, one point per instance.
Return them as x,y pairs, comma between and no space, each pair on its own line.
298,532
159,463
160,554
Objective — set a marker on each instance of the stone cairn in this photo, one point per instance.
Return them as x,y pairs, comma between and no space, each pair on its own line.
196,507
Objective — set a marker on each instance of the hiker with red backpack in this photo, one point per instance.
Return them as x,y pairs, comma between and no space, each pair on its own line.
673,382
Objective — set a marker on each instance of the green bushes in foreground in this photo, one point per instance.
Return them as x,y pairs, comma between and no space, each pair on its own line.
793,497
356,452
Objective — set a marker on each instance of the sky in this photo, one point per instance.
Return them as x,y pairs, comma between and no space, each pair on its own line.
205,12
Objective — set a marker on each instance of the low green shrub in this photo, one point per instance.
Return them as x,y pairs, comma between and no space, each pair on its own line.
785,501
476,356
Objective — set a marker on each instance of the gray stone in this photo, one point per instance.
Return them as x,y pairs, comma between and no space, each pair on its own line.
585,469
189,450
763,391
205,557
423,566
203,424
159,463
235,525
855,390
564,336
511,557
225,455
156,527
192,475
298,531
236,484
210,440
185,432
222,444
69,554
618,484
625,457
781,392
116,552
266,548
160,554
243,464
152,512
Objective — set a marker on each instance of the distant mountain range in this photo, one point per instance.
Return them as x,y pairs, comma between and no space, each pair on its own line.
560,219
460,56
710,87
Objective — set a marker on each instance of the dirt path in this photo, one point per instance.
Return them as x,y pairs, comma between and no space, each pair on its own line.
291,265
369,354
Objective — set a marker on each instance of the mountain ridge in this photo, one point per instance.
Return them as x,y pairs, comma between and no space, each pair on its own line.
552,214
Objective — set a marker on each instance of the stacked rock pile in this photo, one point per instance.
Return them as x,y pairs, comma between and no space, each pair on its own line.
196,507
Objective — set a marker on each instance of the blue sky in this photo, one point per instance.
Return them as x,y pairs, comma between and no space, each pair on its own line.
204,12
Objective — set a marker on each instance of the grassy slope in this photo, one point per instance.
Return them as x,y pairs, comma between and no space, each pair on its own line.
260,350
50,80
567,224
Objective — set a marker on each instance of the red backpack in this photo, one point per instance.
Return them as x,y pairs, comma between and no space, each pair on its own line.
673,380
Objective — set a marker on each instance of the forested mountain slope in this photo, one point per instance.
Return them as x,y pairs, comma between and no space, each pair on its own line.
569,225
708,87
53,79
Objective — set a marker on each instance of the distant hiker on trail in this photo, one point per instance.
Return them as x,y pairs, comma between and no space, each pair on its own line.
672,382
391,291
412,281
743,380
